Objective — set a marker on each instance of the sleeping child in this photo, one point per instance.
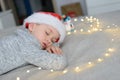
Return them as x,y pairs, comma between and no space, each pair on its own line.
36,43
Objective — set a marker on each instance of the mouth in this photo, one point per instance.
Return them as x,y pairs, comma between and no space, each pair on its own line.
44,45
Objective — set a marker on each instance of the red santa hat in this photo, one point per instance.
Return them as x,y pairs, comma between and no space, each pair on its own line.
49,18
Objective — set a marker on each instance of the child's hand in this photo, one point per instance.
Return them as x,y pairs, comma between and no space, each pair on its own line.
54,49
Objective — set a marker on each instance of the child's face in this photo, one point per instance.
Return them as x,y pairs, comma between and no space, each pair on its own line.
45,34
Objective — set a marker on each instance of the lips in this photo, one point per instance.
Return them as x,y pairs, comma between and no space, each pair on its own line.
44,45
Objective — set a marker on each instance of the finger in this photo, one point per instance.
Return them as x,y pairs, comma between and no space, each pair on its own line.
58,50
53,49
48,50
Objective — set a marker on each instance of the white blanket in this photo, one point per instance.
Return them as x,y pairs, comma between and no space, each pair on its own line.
94,56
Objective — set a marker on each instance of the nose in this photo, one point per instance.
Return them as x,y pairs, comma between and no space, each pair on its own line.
49,41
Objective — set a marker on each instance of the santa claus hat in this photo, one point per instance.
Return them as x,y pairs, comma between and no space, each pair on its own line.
49,18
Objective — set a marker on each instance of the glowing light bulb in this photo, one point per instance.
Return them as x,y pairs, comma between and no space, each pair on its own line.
107,54
28,71
75,19
95,29
91,17
18,78
65,71
97,20
51,70
91,25
98,23
89,63
108,26
81,30
68,33
89,31
77,69
113,24
112,39
100,29
75,31
94,18
82,20
39,68
110,49
86,17
100,60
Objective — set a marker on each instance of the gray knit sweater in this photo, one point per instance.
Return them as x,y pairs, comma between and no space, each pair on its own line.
22,48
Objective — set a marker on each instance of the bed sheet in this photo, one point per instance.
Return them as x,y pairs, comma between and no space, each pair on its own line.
91,55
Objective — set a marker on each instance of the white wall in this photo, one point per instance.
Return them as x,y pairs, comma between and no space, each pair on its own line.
58,3
102,6
90,7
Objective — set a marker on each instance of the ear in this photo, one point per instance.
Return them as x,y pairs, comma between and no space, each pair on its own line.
31,26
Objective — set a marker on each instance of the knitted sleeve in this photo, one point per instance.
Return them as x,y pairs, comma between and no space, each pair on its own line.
41,58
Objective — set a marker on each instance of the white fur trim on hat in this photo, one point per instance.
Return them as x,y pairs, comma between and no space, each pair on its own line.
50,20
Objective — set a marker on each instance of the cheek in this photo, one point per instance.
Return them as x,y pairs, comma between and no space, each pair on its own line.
39,37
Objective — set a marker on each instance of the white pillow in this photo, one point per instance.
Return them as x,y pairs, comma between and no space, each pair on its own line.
7,31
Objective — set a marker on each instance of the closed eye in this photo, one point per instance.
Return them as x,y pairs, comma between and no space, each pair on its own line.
46,33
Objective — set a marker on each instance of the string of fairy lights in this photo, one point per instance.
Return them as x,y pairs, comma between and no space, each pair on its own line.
87,25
